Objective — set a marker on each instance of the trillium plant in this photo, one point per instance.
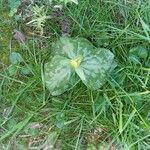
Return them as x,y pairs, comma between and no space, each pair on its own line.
77,59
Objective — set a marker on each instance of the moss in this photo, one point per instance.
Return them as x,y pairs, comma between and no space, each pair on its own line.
6,28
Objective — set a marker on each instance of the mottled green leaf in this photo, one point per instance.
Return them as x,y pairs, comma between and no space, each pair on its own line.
77,56
59,76
94,69
72,47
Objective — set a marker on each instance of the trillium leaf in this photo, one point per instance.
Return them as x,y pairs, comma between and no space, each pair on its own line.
74,59
94,69
59,76
72,48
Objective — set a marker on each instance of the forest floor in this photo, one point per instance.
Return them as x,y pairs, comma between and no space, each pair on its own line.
115,117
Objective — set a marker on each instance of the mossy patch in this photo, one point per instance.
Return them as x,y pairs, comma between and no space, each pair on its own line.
6,28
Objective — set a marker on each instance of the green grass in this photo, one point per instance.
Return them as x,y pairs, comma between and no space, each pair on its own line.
117,114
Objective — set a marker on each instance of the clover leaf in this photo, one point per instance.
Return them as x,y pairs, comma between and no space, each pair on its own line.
15,58
136,54
77,59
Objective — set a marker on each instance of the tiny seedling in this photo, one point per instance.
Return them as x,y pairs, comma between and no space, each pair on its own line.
77,59
39,18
